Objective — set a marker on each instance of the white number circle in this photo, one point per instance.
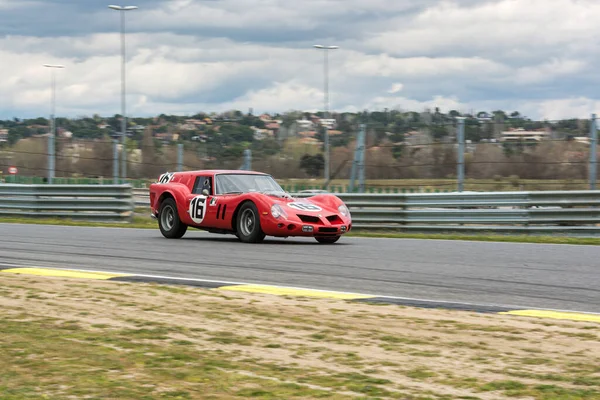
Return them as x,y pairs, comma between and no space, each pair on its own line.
305,207
198,209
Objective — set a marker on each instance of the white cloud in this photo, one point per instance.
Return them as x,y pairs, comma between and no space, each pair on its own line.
575,107
279,96
494,27
191,55
548,71
387,66
396,87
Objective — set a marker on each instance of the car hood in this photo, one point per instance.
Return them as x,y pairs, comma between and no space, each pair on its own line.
308,205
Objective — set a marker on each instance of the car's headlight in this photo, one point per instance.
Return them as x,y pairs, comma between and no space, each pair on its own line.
277,211
344,210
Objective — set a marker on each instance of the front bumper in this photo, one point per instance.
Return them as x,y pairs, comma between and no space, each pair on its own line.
284,228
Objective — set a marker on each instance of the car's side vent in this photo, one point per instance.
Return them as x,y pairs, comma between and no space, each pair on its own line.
218,211
309,218
224,211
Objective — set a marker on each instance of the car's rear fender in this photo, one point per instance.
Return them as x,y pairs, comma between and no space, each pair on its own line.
176,192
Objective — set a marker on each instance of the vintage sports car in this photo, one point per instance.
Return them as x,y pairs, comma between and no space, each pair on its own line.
248,204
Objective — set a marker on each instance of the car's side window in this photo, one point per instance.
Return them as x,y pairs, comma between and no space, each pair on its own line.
201,183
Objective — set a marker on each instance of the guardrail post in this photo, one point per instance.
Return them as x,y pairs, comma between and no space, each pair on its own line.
593,147
460,138
115,162
358,163
50,157
247,160
361,162
180,157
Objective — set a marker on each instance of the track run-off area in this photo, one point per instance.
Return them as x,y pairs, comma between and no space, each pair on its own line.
419,272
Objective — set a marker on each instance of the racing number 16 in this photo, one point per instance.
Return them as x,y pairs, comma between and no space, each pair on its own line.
197,207
306,207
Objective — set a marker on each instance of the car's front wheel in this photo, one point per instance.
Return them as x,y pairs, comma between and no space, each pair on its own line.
168,220
248,224
328,239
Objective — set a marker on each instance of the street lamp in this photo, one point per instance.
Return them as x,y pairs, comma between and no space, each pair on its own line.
122,9
52,138
326,91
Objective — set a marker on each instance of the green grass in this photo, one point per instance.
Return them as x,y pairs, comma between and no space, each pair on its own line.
138,222
262,350
144,222
44,359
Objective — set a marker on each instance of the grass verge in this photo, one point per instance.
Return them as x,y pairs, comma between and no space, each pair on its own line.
70,338
143,221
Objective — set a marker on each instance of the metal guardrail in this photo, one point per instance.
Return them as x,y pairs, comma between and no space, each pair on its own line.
85,202
544,211
550,212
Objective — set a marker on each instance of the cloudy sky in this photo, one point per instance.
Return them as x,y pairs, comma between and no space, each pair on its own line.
538,57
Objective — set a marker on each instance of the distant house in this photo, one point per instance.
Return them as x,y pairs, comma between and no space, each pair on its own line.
167,137
417,138
330,123
3,135
266,118
520,134
196,123
260,134
187,127
64,133
304,124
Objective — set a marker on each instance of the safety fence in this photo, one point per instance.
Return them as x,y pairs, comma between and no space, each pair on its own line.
106,203
529,212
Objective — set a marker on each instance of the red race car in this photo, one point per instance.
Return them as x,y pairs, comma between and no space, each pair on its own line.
248,204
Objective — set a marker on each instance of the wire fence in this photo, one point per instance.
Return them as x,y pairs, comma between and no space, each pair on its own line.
538,155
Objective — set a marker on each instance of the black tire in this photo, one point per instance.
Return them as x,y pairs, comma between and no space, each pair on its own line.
328,239
248,224
168,220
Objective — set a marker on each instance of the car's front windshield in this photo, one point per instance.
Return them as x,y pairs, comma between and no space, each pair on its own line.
244,183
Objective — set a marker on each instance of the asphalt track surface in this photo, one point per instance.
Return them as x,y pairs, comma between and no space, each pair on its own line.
560,277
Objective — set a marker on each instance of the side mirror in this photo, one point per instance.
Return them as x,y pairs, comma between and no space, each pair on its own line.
205,192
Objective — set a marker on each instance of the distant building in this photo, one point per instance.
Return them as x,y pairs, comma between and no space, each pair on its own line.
520,134
304,124
3,135
329,123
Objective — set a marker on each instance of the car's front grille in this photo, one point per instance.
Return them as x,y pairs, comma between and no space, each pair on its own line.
309,218
334,219
324,230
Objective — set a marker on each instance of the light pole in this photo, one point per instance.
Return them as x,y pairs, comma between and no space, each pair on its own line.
52,138
326,91
122,9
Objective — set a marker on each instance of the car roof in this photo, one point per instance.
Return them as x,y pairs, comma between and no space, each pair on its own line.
220,171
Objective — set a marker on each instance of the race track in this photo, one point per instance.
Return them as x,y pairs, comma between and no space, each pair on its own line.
523,275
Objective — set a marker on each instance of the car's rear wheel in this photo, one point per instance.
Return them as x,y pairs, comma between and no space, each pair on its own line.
248,224
168,220
327,239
